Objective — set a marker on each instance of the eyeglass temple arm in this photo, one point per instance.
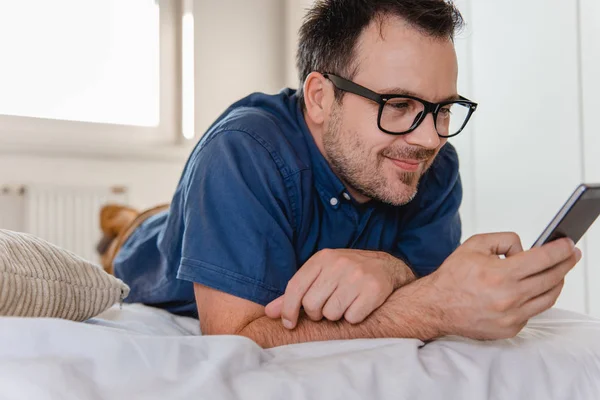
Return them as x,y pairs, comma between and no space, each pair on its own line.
355,88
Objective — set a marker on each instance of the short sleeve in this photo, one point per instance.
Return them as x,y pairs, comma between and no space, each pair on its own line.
435,230
238,229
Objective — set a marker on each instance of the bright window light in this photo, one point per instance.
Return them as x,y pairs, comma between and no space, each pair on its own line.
92,60
187,64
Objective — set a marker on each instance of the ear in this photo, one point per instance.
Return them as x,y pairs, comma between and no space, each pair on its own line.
318,97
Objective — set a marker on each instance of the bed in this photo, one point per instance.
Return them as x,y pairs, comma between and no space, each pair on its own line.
139,352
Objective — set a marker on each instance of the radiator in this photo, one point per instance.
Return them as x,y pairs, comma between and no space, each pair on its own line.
65,216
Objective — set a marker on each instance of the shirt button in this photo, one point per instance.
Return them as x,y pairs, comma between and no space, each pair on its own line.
333,201
346,196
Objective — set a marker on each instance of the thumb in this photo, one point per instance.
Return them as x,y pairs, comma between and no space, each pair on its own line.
273,309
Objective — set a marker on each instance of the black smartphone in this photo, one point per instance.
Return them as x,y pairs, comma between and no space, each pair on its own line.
575,217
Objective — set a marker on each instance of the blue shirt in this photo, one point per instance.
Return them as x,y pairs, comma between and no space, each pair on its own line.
257,199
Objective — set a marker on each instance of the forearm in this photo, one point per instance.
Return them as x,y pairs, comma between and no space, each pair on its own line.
403,315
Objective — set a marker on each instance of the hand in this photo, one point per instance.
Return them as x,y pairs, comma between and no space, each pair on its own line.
341,282
482,296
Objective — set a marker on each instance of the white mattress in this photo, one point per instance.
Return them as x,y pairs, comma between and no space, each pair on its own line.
144,353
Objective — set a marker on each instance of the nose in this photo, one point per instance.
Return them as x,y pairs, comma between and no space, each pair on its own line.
425,135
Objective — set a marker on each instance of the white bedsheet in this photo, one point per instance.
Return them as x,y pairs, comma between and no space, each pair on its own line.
143,353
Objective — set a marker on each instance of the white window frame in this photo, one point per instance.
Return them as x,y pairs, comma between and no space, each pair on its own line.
31,135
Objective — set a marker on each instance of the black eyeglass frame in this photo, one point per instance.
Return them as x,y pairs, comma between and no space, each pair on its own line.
381,99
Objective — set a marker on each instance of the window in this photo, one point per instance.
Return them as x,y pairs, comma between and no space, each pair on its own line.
92,60
96,71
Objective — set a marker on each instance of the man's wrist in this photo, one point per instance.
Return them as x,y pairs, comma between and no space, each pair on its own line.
401,273
418,307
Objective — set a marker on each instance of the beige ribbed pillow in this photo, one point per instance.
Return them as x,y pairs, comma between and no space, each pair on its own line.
38,279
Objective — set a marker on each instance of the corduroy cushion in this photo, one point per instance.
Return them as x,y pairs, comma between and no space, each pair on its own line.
38,279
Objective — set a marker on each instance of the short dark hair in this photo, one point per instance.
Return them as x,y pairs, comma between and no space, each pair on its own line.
331,29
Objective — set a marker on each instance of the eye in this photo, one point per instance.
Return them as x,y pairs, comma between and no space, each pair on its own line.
399,106
445,112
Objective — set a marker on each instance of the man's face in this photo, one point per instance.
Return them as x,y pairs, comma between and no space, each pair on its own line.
374,164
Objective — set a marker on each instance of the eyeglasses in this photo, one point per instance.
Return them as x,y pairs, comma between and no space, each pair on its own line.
402,114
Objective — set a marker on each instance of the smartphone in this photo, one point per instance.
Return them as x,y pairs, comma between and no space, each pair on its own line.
575,217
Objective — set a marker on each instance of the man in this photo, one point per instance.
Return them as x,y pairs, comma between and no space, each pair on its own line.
332,212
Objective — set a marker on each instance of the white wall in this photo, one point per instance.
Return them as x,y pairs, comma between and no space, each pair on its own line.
240,47
589,15
295,11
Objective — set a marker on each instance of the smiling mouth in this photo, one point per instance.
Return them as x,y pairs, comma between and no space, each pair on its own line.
407,165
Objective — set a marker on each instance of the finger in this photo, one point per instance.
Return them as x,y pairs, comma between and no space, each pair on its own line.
322,288
361,308
502,243
295,291
540,303
273,309
316,297
538,259
338,303
542,282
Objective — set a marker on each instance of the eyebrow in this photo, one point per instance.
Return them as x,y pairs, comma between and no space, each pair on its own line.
404,92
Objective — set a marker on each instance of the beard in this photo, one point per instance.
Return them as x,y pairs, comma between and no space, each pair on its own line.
357,166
